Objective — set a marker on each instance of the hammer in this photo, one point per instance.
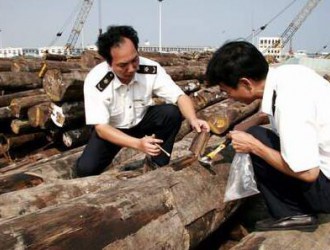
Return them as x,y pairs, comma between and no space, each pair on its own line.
206,161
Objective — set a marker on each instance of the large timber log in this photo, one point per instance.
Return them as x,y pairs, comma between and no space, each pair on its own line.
39,115
35,65
179,73
5,64
28,200
236,112
16,81
90,58
54,57
21,126
20,105
161,209
58,167
69,113
13,141
6,99
64,86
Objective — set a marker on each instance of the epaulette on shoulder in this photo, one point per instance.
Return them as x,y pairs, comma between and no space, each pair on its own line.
147,69
105,81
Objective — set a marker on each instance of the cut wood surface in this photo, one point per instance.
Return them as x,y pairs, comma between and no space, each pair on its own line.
21,126
39,115
69,113
64,86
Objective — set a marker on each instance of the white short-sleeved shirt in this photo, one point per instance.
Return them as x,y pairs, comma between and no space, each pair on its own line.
108,101
302,116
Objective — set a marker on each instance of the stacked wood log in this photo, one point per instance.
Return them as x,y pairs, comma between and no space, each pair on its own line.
44,97
42,111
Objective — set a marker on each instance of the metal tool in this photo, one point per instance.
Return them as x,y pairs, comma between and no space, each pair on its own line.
206,161
163,150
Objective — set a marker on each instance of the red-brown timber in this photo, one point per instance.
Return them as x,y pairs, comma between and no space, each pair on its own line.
6,99
187,205
20,105
35,65
18,81
39,115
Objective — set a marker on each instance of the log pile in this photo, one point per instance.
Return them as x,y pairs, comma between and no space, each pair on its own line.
43,133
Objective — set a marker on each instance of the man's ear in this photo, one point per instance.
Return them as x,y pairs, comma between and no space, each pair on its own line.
245,83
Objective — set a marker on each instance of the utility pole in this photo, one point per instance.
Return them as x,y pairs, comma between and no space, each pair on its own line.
0,38
100,17
160,25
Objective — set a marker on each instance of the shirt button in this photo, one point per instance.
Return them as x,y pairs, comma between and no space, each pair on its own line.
130,107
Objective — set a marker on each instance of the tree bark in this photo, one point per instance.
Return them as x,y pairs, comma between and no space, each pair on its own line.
179,73
64,86
187,205
17,81
20,105
54,57
9,141
236,112
35,65
6,99
90,58
5,64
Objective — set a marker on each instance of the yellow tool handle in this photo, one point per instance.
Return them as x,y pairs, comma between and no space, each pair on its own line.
213,153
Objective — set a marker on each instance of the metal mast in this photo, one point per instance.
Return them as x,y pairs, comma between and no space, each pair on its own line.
297,21
79,23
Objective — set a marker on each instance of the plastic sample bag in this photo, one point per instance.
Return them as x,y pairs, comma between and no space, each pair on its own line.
241,182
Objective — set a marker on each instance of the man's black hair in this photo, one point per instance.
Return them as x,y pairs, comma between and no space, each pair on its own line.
235,60
113,37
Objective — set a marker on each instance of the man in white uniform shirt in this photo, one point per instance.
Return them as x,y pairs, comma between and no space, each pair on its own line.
292,161
118,103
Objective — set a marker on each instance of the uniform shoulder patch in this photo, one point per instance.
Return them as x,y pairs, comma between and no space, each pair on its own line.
147,69
105,81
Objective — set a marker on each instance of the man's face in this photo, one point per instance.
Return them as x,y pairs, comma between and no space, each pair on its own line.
125,60
241,93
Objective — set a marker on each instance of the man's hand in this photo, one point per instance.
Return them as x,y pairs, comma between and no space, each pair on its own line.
242,142
150,145
200,125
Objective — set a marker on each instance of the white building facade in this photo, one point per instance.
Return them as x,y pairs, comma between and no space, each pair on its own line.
271,46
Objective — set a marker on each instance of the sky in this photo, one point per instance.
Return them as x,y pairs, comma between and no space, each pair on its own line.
35,23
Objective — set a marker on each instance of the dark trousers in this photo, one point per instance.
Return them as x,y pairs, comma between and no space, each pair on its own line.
162,120
285,195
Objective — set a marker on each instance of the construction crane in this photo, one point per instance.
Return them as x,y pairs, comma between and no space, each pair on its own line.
297,21
79,23
289,32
